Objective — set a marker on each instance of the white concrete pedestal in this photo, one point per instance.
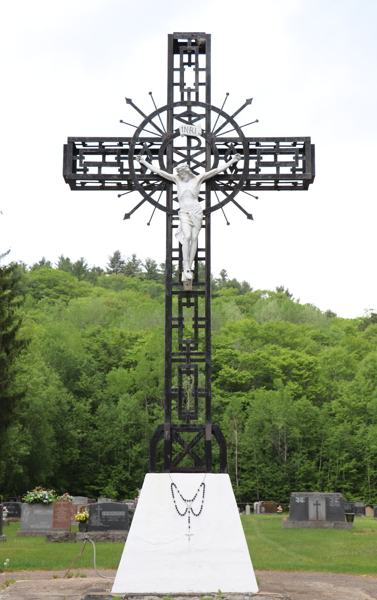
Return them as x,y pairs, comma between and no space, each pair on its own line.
159,557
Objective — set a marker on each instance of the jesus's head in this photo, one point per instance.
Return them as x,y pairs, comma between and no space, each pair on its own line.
184,172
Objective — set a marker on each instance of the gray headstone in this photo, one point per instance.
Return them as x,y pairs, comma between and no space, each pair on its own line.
247,509
256,508
36,516
349,507
317,507
1,520
359,509
14,509
102,500
108,516
80,500
375,512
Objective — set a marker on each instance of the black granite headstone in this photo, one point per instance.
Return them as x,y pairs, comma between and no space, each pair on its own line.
14,509
349,507
359,509
334,507
307,506
108,516
299,510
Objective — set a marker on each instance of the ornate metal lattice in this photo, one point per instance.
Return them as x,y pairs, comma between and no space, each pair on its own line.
164,138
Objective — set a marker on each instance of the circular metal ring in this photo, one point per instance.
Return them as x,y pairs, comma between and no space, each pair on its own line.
168,139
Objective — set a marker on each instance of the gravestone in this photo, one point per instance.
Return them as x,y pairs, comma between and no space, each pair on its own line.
257,508
36,519
369,512
269,508
102,500
74,510
80,500
14,510
62,515
108,516
247,509
374,512
349,507
132,505
3,538
316,511
359,509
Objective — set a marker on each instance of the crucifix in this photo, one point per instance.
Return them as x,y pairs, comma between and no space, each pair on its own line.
189,159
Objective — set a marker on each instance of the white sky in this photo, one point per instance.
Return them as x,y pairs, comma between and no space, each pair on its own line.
311,69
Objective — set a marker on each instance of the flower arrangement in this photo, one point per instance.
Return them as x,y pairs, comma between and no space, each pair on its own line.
65,496
40,494
82,517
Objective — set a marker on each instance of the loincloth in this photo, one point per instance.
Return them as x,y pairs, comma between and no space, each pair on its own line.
192,217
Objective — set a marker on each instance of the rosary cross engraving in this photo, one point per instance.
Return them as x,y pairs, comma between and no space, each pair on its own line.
176,149
189,510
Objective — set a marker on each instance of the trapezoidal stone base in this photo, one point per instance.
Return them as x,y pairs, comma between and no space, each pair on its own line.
315,525
161,558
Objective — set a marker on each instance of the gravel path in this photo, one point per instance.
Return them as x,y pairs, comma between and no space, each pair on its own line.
274,585
318,586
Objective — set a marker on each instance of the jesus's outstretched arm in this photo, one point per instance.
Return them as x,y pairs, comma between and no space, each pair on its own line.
220,168
156,170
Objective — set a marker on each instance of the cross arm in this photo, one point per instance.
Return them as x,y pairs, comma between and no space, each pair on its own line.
275,163
284,163
99,163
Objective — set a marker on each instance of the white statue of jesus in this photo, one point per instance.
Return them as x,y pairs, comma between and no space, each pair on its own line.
190,211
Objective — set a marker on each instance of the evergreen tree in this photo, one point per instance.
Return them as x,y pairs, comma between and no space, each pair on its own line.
133,266
10,344
42,264
64,264
116,264
151,269
93,273
80,269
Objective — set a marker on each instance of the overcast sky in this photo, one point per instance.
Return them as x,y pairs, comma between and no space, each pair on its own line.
311,69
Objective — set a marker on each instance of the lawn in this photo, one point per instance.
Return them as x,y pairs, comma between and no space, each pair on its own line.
272,548
34,554
351,551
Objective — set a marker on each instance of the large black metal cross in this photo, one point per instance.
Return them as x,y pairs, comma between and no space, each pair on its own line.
110,164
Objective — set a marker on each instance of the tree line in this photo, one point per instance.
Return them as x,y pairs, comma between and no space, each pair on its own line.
82,384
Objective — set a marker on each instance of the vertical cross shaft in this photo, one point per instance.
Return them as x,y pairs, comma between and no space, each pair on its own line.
191,50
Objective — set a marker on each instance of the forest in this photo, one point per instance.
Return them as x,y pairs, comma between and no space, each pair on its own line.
82,384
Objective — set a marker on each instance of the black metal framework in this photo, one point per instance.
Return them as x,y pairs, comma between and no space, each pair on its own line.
275,164
266,164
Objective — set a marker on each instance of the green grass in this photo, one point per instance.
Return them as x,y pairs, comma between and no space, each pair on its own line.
273,549
351,551
34,554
